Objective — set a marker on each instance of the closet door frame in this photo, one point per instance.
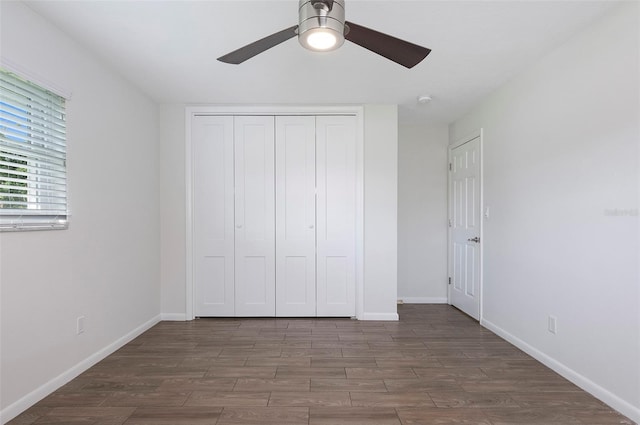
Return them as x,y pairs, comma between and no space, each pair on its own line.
193,111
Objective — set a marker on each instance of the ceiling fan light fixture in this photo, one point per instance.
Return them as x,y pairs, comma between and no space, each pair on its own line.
321,24
321,39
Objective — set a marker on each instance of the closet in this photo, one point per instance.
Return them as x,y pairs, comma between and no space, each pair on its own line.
274,215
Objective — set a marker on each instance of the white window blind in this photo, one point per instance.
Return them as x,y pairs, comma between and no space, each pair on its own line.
33,170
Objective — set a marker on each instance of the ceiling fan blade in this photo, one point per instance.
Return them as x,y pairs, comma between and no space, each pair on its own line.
400,51
257,47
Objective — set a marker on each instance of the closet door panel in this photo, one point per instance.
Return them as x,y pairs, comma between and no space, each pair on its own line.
212,147
295,216
336,213
254,216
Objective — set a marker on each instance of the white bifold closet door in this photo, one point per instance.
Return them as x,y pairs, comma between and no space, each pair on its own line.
295,216
255,275
213,221
336,215
274,210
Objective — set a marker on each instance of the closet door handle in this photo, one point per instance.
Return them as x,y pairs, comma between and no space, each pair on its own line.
238,226
311,226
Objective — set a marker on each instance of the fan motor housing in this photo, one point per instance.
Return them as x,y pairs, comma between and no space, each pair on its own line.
321,16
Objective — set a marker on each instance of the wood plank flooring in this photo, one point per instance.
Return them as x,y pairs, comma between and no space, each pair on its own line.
434,366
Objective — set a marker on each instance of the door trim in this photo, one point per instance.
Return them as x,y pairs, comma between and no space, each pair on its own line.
274,110
452,145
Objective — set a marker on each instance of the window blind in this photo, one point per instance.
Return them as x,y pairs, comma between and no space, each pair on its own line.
33,152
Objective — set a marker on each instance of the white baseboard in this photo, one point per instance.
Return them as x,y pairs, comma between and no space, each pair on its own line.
380,316
173,317
47,388
622,406
423,300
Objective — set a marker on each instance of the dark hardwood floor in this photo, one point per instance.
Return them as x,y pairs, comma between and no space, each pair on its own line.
434,366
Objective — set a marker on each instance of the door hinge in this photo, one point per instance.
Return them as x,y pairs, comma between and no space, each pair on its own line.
450,167
449,281
449,222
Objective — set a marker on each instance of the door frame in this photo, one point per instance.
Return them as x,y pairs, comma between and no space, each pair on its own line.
452,145
275,110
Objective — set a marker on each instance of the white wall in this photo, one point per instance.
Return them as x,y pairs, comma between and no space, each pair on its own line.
172,211
380,211
106,265
422,213
561,145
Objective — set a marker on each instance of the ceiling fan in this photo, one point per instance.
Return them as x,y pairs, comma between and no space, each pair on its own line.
322,27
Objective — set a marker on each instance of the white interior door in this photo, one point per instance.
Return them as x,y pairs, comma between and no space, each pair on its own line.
336,215
213,234
295,216
254,216
465,213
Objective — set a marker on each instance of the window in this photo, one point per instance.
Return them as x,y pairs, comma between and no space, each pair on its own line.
33,176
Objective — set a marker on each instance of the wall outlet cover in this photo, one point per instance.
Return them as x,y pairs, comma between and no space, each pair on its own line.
553,324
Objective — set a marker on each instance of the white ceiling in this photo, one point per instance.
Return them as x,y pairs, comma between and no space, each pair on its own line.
169,49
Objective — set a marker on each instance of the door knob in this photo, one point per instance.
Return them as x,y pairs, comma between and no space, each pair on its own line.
476,239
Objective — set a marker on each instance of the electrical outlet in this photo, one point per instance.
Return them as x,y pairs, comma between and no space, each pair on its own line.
553,325
80,325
